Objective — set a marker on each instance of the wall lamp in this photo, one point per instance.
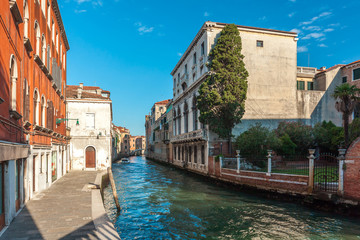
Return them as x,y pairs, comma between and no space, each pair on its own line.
60,120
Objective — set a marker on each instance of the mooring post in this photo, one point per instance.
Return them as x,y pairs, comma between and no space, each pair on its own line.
311,170
269,162
341,159
238,161
113,186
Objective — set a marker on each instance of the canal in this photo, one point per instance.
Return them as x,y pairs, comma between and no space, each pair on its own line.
161,202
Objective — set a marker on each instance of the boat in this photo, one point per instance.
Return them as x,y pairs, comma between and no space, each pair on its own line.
125,160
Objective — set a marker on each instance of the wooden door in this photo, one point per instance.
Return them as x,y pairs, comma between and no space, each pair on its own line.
17,184
90,157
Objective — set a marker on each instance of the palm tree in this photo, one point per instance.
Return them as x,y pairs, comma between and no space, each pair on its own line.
346,95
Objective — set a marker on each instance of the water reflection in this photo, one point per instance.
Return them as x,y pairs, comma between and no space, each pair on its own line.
160,202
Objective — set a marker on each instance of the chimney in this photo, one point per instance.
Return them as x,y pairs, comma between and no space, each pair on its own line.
81,85
79,91
323,68
98,91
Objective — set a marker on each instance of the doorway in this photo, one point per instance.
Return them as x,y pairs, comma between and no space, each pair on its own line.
90,157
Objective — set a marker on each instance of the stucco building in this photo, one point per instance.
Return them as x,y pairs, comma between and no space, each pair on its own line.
90,122
271,60
33,47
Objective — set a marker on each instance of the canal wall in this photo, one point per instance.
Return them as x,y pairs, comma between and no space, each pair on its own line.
104,227
284,187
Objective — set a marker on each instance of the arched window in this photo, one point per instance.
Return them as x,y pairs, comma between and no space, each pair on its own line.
186,118
43,49
195,114
43,110
37,38
26,101
48,57
60,56
64,61
43,5
26,19
174,121
57,42
48,13
13,80
50,115
36,107
179,120
53,30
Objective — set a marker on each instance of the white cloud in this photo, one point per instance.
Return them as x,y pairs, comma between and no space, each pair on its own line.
301,49
312,28
206,14
322,45
263,18
291,14
313,35
142,29
80,11
295,30
329,30
323,14
292,0
179,54
93,2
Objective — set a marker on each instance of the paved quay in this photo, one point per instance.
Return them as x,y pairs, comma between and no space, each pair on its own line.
69,209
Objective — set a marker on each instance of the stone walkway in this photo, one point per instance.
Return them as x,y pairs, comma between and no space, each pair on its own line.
61,212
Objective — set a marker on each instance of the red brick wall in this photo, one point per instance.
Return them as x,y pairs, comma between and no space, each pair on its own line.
352,172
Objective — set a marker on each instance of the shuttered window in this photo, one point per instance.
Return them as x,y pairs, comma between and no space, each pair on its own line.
90,120
356,74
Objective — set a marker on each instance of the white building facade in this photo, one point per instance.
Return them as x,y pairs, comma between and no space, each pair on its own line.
89,110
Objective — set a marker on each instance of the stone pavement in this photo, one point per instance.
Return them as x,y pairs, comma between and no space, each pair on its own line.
63,211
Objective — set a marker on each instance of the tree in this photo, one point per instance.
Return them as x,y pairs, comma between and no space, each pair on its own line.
346,96
222,95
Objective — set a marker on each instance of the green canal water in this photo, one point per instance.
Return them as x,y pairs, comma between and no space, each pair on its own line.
161,202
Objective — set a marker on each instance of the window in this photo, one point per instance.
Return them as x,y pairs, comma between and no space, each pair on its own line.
26,103
178,78
310,86
344,79
195,154
26,19
48,14
13,80
195,113
37,38
190,153
57,42
202,154
356,74
90,120
186,68
357,111
43,49
36,107
300,85
53,31
202,48
194,59
50,115
43,4
259,43
43,108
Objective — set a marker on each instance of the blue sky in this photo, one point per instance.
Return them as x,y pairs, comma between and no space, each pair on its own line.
130,47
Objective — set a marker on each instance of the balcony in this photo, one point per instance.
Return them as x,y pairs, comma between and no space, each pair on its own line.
197,135
184,77
27,44
14,8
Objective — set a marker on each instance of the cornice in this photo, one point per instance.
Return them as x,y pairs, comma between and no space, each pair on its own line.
56,10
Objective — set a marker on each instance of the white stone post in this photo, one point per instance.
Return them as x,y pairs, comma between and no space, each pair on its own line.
341,171
221,163
238,161
311,170
269,162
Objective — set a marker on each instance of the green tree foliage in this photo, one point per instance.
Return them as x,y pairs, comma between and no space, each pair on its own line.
328,136
299,133
222,95
346,96
287,147
256,141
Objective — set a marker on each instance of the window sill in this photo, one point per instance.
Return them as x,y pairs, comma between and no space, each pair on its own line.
28,44
14,114
15,12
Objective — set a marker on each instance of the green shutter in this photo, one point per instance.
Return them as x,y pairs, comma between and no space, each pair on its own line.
356,73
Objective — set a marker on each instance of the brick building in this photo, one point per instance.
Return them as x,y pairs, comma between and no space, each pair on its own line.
33,46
